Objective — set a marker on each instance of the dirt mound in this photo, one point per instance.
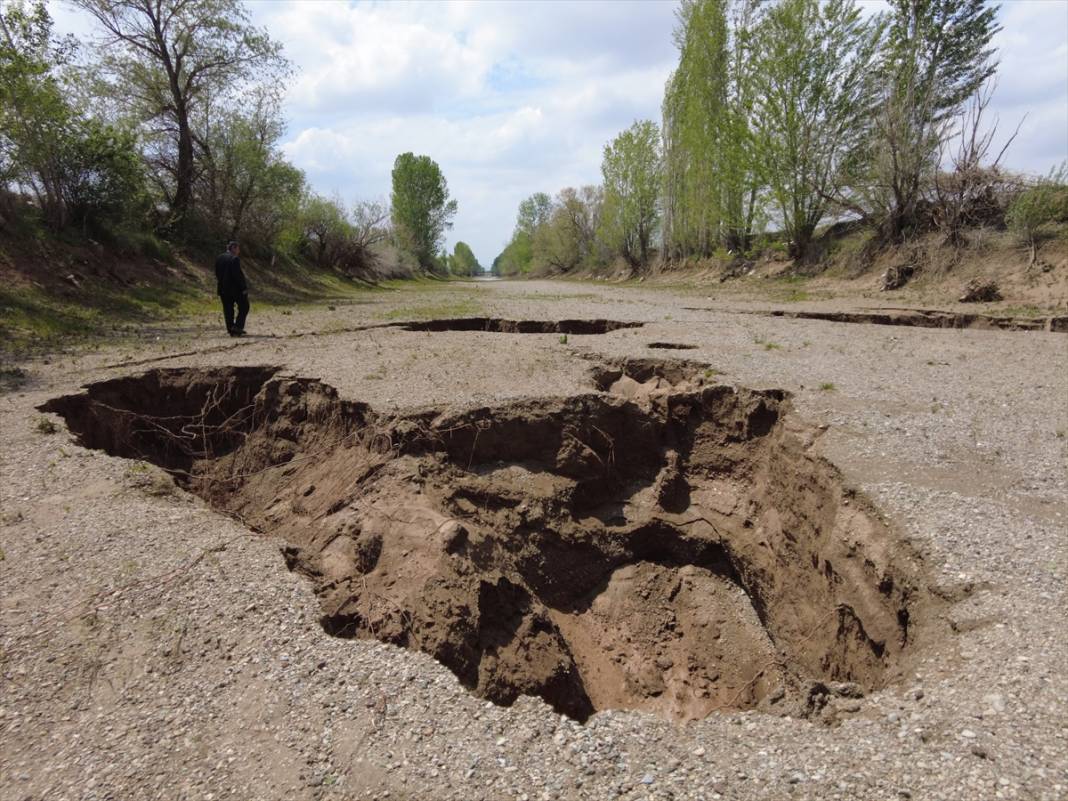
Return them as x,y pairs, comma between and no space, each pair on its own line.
679,552
499,326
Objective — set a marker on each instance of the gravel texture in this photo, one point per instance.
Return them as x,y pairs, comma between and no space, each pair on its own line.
152,648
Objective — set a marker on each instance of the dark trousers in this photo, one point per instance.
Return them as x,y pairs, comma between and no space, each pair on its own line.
228,303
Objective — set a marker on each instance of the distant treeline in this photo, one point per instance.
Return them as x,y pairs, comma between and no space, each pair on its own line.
169,126
786,115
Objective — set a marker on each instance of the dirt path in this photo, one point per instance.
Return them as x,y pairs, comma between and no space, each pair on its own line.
154,644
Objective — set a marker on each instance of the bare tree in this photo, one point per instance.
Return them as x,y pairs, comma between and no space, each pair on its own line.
970,193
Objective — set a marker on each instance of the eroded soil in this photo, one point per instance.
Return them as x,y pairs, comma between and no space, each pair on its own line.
660,543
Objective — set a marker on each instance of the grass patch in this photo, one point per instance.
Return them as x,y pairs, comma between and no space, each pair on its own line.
828,386
438,308
42,425
1021,311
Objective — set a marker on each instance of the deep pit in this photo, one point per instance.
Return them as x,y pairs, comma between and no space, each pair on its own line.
659,545
498,326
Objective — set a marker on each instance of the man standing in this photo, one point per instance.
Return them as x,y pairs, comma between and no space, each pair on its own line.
232,289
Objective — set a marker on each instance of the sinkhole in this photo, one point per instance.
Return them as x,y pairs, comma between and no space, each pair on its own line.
656,544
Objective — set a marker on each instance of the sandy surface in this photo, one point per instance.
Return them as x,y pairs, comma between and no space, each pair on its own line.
153,648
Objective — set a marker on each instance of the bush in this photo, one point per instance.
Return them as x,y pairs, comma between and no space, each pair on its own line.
1043,203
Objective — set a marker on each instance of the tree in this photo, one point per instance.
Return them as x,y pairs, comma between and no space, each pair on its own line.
242,169
35,117
632,170
168,55
101,175
463,261
814,78
695,101
937,56
533,213
420,206
568,239
324,228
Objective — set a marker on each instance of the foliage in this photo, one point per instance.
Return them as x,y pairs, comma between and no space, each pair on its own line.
177,63
421,207
463,261
632,170
937,55
815,86
1044,202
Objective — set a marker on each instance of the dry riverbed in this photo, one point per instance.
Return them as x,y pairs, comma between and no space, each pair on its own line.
652,575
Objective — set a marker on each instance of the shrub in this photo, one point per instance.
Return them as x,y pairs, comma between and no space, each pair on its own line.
1046,201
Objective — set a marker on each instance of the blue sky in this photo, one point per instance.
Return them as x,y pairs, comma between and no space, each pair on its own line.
514,97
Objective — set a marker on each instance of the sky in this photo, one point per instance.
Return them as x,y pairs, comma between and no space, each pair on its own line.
512,98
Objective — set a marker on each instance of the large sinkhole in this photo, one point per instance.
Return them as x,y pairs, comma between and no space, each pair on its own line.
658,545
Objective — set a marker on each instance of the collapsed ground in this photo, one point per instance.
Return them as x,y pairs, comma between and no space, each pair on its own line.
668,547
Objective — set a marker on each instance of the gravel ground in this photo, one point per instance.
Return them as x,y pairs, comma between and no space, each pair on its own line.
152,648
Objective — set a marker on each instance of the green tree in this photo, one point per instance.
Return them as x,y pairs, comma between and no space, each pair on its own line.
421,208
242,170
815,83
166,56
463,261
35,118
937,56
695,101
534,212
568,240
102,175
632,173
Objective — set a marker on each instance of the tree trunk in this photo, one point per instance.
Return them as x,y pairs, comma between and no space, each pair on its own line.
183,189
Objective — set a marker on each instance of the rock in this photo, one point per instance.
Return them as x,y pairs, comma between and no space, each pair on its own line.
647,778
897,276
978,291
847,689
995,702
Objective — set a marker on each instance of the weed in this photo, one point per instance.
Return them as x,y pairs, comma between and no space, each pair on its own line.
45,426
563,339
712,372
772,346
828,386
1060,433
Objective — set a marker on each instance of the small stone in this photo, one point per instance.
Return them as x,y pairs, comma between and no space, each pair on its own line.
979,751
968,734
698,752
647,778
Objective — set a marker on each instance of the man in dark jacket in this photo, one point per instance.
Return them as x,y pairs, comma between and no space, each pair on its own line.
232,289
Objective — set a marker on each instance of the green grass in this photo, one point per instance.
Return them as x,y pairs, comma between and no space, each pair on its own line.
766,344
828,386
435,309
1021,311
42,425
